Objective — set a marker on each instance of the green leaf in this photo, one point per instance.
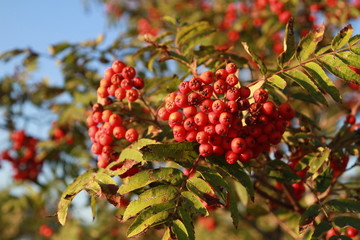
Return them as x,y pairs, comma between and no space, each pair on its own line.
308,217
254,57
308,44
321,229
169,19
276,81
84,181
233,205
343,205
316,163
338,68
186,33
172,176
347,221
354,44
166,235
149,218
133,152
349,58
182,153
93,207
196,39
180,230
203,190
323,80
216,181
153,196
342,38
323,181
289,45
236,172
187,221
282,172
152,59
307,84
193,204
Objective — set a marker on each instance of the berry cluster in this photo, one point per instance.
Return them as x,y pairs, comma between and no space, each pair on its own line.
23,156
106,126
212,110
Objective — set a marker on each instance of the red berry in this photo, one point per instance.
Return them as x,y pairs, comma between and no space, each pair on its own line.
205,149
108,73
131,135
350,119
232,80
184,87
201,119
138,83
115,120
260,95
218,106
195,83
286,111
268,108
105,139
128,72
238,145
126,84
206,105
231,157
181,100
221,74
163,114
233,93
352,232
207,77
119,132
231,67
118,66
175,118
132,95
189,111
120,93
220,87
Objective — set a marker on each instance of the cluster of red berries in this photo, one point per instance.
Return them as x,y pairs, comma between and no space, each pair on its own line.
212,110
120,82
350,232
106,126
61,134
46,231
23,156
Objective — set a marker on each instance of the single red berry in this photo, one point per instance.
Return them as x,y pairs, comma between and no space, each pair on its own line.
105,139
179,133
97,117
221,129
232,80
206,105
268,108
238,145
207,77
350,119
243,104
119,132
226,118
102,92
352,232
138,82
209,129
246,156
189,124
191,136
195,83
181,100
232,106
233,93
231,157
126,84
115,120
220,87
194,98
175,118
108,73
213,117
128,72
218,106
221,74
201,119
163,114
189,111
111,90
106,115
120,93
184,87
231,67
118,66
284,16
96,148
286,111
205,149
260,95
131,135
116,79
206,91
132,95
244,92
